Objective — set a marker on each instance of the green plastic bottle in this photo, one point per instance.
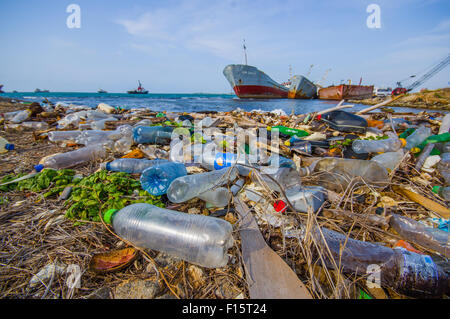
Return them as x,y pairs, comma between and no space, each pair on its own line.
433,139
407,133
288,131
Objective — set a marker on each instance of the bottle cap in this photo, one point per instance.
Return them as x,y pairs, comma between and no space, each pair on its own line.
287,143
436,189
269,128
9,147
403,142
107,166
319,117
38,167
415,150
279,206
108,215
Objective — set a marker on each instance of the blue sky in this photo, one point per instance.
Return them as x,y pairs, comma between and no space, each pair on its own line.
183,46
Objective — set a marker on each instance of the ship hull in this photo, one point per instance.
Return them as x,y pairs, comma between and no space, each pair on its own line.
343,92
302,88
249,82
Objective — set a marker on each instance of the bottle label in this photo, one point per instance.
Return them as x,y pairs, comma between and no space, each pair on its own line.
223,160
418,273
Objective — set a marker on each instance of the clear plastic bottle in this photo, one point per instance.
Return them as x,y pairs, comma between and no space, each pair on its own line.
34,125
21,116
285,177
419,135
445,124
305,198
428,237
131,165
392,144
5,146
9,115
444,192
187,187
157,178
337,173
152,134
389,160
152,151
60,136
408,273
218,197
73,158
100,124
198,239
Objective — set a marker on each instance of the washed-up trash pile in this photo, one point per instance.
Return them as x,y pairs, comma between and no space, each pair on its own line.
352,205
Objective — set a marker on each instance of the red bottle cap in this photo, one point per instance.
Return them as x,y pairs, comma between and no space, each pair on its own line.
279,206
319,117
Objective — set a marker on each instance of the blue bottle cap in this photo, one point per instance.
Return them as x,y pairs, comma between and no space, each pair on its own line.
108,166
9,147
39,167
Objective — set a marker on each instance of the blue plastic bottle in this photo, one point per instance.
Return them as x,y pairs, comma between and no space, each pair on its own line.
157,178
152,134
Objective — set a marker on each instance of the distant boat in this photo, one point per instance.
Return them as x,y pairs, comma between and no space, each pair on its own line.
41,91
139,90
102,91
15,91
346,91
1,86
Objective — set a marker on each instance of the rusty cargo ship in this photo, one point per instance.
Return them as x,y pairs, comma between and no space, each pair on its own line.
249,82
346,91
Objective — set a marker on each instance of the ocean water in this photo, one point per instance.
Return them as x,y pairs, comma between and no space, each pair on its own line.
186,102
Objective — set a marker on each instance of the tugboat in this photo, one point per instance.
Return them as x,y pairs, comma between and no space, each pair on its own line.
139,90
101,91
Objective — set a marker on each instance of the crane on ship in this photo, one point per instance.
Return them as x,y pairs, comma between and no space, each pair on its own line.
432,72
323,77
309,71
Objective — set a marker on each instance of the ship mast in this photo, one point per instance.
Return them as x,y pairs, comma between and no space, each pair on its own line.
245,53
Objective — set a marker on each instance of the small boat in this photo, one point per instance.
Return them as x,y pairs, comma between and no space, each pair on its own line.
139,90
1,87
102,91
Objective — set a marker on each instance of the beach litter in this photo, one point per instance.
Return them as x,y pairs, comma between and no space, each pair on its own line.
201,206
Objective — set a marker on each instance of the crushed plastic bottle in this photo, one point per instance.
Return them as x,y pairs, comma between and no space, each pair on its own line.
304,198
152,134
157,178
5,146
79,156
389,160
21,116
428,237
337,173
198,239
419,135
187,187
392,144
131,165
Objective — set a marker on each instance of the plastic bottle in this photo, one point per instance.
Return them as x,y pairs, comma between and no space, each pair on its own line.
100,124
106,108
21,116
337,173
9,115
59,136
433,139
198,239
5,146
152,151
157,178
152,134
305,198
287,131
444,167
284,176
34,125
218,197
408,273
444,192
79,156
389,160
417,137
428,237
131,165
423,156
445,124
392,144
187,187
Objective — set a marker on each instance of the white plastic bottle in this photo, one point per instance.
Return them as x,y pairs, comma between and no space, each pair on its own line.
198,239
392,144
21,116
